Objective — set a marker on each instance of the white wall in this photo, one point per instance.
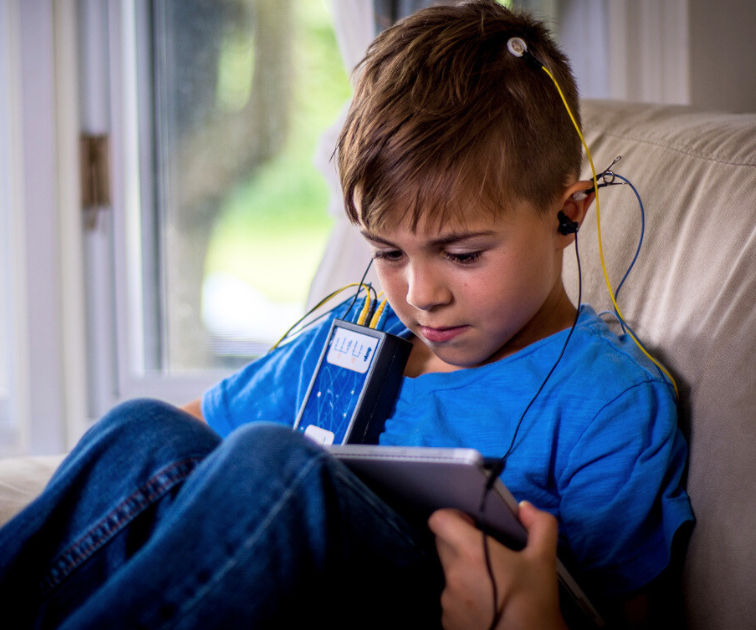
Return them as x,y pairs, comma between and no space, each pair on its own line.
695,52
722,53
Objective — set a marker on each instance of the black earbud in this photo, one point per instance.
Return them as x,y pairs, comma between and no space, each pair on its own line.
567,225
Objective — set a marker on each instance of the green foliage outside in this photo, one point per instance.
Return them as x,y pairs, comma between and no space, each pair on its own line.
272,229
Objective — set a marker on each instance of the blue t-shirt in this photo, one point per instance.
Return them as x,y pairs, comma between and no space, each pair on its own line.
599,448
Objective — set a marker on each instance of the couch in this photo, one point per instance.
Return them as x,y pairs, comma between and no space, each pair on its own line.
691,298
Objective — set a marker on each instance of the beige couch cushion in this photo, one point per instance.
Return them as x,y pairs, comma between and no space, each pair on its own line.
21,480
692,298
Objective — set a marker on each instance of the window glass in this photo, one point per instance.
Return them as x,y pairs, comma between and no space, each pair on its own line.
235,221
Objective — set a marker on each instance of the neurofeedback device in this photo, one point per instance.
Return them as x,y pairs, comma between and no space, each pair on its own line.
356,380
354,386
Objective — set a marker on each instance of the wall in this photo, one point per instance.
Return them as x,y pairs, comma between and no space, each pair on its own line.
722,49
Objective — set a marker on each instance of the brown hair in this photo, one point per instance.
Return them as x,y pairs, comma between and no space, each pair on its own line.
444,118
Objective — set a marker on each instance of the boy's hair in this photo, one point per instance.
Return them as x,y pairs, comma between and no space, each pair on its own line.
444,118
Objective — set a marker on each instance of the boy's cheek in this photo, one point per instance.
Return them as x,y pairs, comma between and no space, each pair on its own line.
394,288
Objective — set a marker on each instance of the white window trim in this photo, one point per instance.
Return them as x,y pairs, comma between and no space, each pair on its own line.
117,344
177,389
656,31
13,428
42,152
40,211
71,276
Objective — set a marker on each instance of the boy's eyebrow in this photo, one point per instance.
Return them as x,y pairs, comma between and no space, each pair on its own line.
447,239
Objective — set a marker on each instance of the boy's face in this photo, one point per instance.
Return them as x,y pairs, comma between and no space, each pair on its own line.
475,291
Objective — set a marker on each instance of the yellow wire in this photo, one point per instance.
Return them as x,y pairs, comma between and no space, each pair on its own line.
598,228
365,310
328,297
378,312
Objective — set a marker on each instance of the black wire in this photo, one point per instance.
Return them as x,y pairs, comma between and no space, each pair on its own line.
359,288
300,325
498,468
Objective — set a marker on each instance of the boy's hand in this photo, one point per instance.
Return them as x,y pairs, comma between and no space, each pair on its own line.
194,408
526,580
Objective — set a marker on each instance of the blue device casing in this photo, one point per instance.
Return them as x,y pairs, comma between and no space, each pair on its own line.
354,386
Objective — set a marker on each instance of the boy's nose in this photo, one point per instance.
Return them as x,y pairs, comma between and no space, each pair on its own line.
425,290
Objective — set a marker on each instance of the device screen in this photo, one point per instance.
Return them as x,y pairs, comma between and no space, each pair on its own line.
338,385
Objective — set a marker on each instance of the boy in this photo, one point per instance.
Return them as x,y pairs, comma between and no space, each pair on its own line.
455,160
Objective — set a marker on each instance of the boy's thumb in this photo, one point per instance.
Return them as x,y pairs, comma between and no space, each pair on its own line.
543,529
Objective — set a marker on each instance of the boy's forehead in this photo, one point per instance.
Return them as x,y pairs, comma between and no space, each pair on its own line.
414,215
432,227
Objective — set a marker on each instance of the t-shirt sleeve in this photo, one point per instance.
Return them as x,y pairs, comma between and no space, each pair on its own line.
622,495
269,389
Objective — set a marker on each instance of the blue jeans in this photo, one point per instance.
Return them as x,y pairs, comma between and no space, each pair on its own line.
153,521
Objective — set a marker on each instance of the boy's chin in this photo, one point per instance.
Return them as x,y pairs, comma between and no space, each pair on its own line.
458,358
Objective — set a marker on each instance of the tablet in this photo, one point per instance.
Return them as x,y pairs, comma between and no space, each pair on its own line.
417,481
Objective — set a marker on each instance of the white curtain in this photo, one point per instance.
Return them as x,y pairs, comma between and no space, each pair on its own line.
346,254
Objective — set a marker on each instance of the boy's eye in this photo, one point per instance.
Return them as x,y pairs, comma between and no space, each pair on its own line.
464,258
387,254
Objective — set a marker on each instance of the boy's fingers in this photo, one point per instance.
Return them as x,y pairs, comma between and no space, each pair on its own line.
456,534
451,524
526,580
457,527
543,530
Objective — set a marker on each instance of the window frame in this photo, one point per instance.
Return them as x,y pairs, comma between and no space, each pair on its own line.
117,291
37,157
11,309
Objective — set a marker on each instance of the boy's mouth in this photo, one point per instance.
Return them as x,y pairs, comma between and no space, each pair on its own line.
440,335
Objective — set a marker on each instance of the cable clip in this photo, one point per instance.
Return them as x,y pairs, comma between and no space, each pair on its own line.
606,177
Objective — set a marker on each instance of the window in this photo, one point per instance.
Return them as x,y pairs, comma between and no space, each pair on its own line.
219,216
243,91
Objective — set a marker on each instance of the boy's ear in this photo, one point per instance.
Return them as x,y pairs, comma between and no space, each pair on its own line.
576,199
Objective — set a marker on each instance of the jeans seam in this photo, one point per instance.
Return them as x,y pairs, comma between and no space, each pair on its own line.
262,527
249,542
374,507
104,530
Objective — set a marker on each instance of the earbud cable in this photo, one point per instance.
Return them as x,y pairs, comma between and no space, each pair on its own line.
598,228
498,468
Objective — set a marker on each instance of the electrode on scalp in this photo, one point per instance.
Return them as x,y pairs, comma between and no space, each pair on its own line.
517,46
354,387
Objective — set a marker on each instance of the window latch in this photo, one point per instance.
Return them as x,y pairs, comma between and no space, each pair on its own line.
94,157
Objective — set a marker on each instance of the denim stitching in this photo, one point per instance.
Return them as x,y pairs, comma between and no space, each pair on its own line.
252,538
113,522
249,542
377,508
